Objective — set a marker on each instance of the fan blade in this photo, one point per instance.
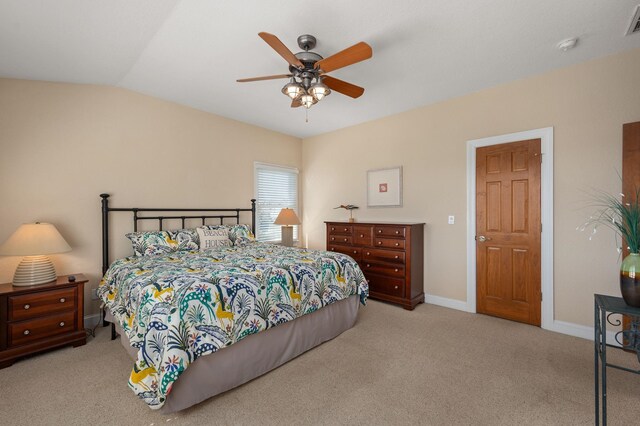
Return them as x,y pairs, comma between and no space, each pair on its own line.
351,55
267,77
343,87
282,50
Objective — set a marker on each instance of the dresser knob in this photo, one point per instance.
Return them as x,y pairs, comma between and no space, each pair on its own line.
368,266
61,323
333,238
396,287
26,332
361,235
355,251
368,253
379,242
396,257
333,248
397,244
379,231
62,300
346,229
397,232
27,306
333,229
345,239
396,270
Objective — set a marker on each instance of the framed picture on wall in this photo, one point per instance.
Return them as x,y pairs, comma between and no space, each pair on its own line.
384,187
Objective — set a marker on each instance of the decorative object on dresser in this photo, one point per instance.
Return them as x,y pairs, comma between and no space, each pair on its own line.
349,207
391,256
287,218
34,241
41,317
384,187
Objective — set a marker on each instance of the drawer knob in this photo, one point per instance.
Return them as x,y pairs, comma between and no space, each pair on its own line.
396,270
379,242
396,257
355,251
26,332
333,238
368,266
333,248
379,231
397,232
397,244
27,306
345,229
61,323
345,239
62,300
396,287
368,253
361,235
333,229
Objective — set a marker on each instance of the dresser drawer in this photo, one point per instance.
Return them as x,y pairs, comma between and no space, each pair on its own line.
354,252
389,231
385,285
339,239
382,269
41,303
389,243
362,235
383,255
339,229
27,331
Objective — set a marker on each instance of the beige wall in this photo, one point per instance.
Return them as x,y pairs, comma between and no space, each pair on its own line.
61,145
585,104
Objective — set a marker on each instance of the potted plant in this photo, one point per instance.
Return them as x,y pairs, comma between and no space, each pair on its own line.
622,215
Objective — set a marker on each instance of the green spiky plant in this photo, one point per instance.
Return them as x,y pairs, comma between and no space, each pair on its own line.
620,215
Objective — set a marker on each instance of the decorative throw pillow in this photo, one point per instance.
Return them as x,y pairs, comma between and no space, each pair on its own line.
163,242
213,237
241,235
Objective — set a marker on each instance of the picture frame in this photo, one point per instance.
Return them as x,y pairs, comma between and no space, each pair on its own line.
384,187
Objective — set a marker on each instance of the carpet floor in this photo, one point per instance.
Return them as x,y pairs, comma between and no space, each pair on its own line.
432,366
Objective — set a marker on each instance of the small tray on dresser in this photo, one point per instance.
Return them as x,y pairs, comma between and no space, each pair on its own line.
41,317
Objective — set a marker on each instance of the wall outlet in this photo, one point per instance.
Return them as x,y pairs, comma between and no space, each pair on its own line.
94,294
452,220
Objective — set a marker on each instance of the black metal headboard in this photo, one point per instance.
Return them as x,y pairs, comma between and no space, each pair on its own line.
223,214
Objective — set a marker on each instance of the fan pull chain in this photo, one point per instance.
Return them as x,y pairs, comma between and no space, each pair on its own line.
306,115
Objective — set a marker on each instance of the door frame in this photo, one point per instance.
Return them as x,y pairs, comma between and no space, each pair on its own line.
546,215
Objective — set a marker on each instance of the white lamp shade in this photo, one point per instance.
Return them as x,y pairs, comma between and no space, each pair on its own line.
287,217
32,239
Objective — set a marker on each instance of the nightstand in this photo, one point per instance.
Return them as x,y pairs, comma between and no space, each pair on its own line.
41,317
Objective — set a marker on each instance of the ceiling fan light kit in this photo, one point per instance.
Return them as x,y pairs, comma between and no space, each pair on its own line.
308,83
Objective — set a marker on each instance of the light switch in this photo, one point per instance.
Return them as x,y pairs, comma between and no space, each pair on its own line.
452,220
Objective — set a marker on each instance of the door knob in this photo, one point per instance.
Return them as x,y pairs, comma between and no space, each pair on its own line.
482,238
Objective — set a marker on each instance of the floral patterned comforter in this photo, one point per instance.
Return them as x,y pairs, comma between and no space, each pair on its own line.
175,308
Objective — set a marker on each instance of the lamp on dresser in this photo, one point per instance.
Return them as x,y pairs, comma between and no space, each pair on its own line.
287,218
34,241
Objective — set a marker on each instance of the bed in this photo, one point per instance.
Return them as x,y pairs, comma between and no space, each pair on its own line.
200,322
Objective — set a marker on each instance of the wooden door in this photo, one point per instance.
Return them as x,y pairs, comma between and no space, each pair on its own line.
508,231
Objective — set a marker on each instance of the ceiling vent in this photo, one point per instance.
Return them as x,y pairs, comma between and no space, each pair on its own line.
634,27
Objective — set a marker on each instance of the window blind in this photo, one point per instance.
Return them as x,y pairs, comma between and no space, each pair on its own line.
276,188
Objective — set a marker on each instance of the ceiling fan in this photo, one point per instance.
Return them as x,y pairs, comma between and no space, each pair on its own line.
307,70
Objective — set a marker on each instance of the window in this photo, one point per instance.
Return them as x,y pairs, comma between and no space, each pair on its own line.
276,188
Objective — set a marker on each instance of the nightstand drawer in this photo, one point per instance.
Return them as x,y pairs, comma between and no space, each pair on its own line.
389,243
27,331
41,303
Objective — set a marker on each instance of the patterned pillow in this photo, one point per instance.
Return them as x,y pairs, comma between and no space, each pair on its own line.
163,242
213,237
241,235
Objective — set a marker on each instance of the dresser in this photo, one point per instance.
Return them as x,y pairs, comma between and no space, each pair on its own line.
391,255
41,317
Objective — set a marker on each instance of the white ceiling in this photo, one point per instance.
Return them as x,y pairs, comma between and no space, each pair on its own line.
192,51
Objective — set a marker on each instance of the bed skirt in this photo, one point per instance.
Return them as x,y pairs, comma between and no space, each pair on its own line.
255,355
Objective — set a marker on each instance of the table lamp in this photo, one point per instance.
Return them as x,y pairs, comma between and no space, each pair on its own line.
34,241
287,218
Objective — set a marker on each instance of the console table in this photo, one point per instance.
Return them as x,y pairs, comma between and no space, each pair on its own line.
604,307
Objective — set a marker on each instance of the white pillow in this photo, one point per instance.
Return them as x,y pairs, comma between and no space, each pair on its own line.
213,238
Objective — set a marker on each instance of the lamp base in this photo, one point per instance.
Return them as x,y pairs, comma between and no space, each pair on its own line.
287,236
34,270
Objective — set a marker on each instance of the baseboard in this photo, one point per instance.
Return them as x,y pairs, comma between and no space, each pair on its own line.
91,321
445,302
563,327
